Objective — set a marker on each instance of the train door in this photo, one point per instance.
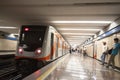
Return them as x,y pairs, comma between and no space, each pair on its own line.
65,48
62,47
52,46
56,47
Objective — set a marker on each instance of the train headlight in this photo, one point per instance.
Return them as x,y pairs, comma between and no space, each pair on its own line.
20,50
38,51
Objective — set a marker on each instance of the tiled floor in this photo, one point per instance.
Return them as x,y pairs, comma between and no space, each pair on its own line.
77,67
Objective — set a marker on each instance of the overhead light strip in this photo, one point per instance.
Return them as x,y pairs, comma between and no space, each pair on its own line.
79,29
94,22
4,27
76,36
79,33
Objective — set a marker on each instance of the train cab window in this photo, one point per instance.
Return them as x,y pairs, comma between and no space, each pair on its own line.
32,39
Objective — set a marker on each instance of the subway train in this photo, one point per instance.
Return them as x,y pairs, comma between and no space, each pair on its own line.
37,46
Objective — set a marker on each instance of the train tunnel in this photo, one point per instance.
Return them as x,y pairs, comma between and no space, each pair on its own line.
60,40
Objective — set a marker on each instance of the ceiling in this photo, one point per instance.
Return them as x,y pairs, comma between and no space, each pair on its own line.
18,12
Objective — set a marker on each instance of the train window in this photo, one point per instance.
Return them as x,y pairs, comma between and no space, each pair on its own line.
31,40
23,37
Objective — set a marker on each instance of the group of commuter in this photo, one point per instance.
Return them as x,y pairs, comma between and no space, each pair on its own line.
74,50
113,52
79,51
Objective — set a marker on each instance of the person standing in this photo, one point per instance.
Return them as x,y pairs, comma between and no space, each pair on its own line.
104,53
115,51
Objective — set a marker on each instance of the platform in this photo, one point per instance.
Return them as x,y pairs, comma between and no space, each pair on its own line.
76,67
7,53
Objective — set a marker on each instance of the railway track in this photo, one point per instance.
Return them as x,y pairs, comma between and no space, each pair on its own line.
10,70
10,73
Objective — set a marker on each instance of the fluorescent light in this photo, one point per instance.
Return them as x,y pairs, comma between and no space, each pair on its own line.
101,22
79,29
76,41
78,33
77,36
5,27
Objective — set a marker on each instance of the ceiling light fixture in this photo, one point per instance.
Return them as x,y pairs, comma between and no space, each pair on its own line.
5,27
77,36
78,33
79,29
101,22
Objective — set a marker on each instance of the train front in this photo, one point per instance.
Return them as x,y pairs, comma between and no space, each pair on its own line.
29,48
30,42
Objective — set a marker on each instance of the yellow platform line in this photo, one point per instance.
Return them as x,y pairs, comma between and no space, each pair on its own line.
44,75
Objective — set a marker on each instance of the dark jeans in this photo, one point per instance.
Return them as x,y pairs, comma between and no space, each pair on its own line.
103,58
111,60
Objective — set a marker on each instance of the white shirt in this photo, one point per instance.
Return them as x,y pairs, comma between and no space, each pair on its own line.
105,48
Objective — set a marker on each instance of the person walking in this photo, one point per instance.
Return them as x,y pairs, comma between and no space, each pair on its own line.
115,51
104,52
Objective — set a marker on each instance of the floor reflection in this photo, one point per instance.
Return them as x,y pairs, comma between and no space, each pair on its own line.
77,67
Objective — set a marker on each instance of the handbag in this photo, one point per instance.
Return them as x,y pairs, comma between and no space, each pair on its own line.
110,51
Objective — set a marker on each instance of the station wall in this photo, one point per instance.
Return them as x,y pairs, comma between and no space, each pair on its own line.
96,48
7,45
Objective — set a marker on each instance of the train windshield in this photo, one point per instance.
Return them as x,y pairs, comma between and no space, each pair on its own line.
32,38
